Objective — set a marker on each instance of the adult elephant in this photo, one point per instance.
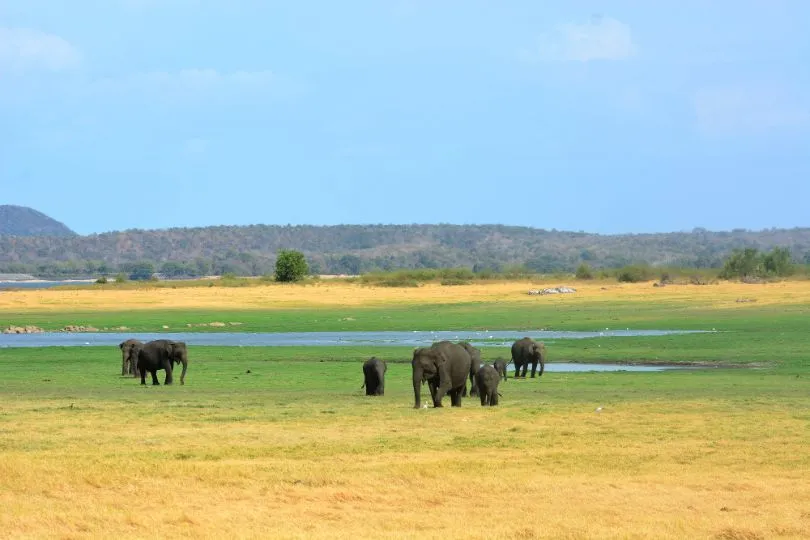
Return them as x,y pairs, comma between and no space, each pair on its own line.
129,357
445,366
162,354
475,363
374,376
528,351
488,379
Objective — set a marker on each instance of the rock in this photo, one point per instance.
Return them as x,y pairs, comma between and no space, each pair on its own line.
165,327
78,328
218,324
23,330
553,290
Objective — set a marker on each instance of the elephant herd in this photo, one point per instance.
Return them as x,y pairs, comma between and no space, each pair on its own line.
444,366
152,356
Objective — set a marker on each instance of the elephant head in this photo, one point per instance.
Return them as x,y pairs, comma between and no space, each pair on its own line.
537,352
431,365
129,356
177,353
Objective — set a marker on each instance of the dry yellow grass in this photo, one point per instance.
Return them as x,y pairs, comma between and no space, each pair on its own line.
721,295
634,471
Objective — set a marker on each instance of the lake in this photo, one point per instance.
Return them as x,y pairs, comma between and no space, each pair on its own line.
416,338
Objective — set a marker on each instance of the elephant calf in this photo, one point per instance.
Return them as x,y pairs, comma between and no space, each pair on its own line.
500,366
374,376
528,351
488,379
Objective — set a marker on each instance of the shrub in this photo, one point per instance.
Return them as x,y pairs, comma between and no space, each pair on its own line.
291,266
120,277
102,280
584,272
634,274
455,281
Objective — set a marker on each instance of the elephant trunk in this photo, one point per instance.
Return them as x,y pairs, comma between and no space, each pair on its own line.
417,387
185,366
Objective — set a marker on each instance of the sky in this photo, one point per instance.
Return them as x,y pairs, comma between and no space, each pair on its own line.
608,117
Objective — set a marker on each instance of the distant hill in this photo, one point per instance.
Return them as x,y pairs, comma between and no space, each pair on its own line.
352,249
24,221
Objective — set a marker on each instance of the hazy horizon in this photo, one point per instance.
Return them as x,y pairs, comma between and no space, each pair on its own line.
605,117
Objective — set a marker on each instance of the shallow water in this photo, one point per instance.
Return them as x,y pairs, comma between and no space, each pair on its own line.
499,338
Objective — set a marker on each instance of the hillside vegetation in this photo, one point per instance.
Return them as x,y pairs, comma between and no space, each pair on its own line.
353,249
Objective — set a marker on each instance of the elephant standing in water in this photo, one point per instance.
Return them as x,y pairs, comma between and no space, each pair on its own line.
162,354
374,376
525,351
500,366
488,379
475,363
445,366
129,357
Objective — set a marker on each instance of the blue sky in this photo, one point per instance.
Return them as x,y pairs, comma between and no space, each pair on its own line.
611,117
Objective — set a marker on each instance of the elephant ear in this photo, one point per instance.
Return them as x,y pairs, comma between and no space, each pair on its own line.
443,369
121,345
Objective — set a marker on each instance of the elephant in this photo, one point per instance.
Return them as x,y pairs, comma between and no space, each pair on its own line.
525,351
129,357
374,376
445,366
162,354
475,363
500,366
488,379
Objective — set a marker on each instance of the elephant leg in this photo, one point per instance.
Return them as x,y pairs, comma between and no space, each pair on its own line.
143,376
124,367
483,396
433,393
455,397
534,368
155,381
493,400
168,369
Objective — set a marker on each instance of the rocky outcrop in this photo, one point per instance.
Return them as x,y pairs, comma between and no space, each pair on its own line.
553,290
23,330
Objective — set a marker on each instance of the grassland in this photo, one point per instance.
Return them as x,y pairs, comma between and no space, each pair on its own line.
281,443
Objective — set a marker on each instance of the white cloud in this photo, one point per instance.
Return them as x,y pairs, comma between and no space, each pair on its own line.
25,48
744,110
601,38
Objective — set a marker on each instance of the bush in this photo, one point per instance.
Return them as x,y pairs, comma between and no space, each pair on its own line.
291,266
584,272
121,278
634,274
455,281
102,280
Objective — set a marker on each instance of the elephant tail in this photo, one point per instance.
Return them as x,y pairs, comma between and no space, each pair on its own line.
364,385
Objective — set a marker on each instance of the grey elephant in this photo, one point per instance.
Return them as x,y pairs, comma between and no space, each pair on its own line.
374,376
129,357
528,351
445,366
488,379
475,363
500,366
162,354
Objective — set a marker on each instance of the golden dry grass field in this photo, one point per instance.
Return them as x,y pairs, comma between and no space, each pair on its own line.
338,293
262,444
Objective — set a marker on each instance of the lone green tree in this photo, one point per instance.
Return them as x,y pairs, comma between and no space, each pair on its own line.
291,265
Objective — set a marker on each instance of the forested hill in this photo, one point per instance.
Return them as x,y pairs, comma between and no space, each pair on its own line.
24,221
349,249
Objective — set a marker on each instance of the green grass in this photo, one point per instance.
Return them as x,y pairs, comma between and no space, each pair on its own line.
768,335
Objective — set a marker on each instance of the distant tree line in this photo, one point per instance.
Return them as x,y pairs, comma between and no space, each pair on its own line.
360,249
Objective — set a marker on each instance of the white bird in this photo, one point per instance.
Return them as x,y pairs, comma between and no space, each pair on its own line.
599,409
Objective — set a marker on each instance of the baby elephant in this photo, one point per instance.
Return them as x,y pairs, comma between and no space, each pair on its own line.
500,366
488,379
374,376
